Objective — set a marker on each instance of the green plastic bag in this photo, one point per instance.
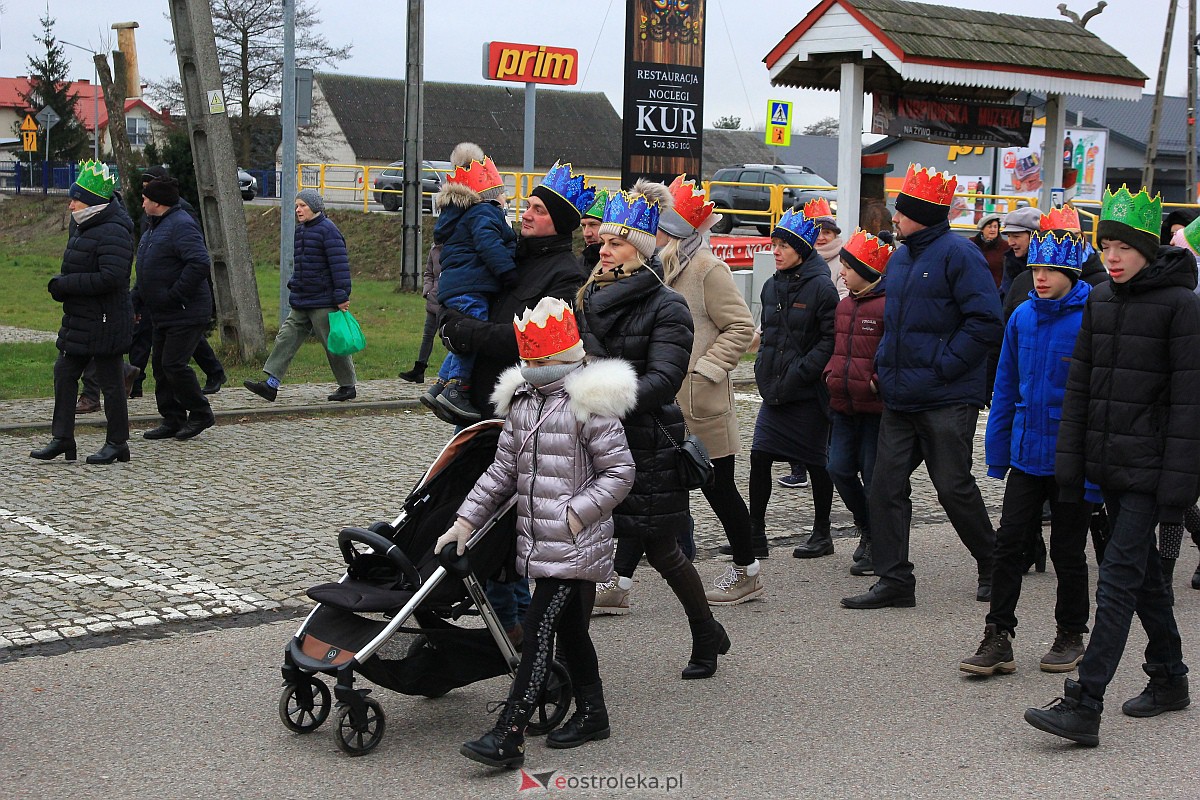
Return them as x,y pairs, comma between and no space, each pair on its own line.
345,336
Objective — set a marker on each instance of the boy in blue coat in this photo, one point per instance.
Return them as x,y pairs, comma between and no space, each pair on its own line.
1022,431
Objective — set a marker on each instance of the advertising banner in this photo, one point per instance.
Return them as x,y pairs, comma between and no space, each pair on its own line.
951,121
1083,151
663,112
530,63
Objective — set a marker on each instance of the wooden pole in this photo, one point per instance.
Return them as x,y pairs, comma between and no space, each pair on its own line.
1159,90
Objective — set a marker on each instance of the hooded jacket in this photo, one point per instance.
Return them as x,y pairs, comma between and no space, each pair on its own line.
477,243
1131,414
1093,273
941,318
173,267
851,370
562,448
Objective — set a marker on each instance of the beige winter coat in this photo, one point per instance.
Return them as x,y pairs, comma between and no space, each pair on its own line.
724,330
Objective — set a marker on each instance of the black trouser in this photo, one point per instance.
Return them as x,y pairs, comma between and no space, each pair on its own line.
668,560
67,370
943,438
761,487
176,390
1024,495
562,607
139,355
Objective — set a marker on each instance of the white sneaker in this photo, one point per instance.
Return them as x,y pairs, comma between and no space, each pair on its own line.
611,599
734,587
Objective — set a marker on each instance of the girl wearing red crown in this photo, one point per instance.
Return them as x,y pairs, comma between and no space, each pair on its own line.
564,454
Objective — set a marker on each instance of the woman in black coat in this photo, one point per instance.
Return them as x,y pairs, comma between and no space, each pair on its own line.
97,323
626,312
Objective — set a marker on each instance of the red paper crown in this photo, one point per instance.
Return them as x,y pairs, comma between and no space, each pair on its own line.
929,185
870,250
547,330
479,176
1061,218
817,208
690,202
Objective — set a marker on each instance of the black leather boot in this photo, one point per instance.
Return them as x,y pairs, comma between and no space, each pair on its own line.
820,542
588,723
504,744
110,453
758,541
1163,693
1074,716
709,640
56,448
416,374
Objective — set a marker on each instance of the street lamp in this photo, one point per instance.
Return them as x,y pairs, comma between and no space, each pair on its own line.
95,99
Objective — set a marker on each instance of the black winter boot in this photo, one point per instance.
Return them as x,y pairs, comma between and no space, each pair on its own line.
1163,693
758,541
588,723
708,640
416,374
820,542
57,447
1074,716
504,744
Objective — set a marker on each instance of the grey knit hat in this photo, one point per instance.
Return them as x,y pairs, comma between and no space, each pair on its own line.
312,199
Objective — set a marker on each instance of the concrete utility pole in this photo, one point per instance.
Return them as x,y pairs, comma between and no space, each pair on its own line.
287,184
239,314
414,141
1156,114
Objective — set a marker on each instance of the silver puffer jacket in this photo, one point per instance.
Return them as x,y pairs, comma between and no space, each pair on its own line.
576,459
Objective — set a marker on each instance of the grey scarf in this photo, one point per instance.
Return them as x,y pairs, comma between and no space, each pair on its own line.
547,373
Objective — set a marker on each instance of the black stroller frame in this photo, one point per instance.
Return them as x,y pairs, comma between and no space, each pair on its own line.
382,579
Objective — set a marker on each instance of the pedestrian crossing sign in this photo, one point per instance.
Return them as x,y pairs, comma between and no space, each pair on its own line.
779,123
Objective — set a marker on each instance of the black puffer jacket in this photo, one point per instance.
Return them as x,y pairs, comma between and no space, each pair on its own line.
93,285
546,267
173,269
1093,273
798,310
640,320
1131,414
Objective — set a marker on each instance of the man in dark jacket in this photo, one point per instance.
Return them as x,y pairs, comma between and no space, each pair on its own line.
172,288
941,318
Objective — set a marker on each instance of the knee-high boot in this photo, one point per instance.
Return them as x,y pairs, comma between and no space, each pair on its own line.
709,639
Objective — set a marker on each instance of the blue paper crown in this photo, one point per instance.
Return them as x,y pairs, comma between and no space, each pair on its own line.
573,188
1048,250
795,225
632,211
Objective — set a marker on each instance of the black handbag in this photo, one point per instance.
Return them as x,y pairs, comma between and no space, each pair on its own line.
695,467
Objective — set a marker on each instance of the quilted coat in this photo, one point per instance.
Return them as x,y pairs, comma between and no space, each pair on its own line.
173,269
477,243
645,323
1131,414
321,266
851,370
562,447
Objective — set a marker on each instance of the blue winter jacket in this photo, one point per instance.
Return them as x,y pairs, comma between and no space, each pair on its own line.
1031,379
320,267
173,268
941,318
478,246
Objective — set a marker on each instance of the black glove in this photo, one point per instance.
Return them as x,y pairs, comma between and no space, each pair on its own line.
53,288
452,332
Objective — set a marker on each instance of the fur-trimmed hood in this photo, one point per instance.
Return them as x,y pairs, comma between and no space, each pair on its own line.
455,194
602,387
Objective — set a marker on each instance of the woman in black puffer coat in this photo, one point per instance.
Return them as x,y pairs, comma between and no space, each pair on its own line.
97,322
626,312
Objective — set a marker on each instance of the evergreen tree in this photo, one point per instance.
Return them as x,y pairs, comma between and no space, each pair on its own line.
49,85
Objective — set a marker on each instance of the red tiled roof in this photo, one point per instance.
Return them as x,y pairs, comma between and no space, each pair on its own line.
86,91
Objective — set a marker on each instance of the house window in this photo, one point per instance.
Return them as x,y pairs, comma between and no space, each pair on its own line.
138,131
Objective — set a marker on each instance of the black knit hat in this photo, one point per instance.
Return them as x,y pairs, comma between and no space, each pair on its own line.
922,211
164,191
564,214
1145,243
154,171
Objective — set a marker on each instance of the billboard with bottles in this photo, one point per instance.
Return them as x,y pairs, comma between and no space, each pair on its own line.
1019,171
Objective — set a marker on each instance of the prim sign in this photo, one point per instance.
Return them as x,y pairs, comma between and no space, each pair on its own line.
530,63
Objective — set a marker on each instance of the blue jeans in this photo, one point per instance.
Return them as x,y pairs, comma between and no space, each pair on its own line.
459,365
1131,581
852,445
510,600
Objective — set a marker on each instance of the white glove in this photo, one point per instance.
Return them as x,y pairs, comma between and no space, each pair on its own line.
573,522
459,533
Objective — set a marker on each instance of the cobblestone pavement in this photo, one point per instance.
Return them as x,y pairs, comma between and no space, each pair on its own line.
244,518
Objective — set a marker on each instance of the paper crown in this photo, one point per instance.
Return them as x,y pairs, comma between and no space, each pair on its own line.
96,178
1138,211
596,209
690,202
795,228
1190,235
1047,249
817,208
636,212
562,180
929,185
869,250
478,176
1061,218
546,330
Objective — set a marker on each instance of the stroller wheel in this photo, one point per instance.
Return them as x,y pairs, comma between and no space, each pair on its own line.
303,707
357,741
553,705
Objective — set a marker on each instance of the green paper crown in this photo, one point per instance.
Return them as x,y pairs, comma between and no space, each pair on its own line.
1192,235
1138,211
95,177
596,209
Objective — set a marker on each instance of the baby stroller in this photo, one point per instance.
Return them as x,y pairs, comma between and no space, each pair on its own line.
390,617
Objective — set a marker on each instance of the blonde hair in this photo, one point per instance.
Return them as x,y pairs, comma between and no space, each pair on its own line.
669,256
641,262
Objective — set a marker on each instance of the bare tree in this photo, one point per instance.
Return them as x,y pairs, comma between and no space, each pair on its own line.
823,127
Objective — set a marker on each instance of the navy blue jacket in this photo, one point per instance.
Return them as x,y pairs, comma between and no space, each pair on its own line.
321,266
173,268
1031,378
941,319
478,248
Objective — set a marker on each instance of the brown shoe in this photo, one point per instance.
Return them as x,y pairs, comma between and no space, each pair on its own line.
994,654
1065,654
132,373
86,405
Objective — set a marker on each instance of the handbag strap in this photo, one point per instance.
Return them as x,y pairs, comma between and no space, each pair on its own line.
663,428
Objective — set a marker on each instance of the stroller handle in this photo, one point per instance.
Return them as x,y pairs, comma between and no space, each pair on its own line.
380,545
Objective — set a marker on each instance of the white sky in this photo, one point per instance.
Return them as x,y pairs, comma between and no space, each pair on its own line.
740,33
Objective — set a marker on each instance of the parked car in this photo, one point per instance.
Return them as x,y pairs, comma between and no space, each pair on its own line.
247,184
758,198
389,184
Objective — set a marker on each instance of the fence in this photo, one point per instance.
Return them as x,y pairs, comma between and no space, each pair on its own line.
50,178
